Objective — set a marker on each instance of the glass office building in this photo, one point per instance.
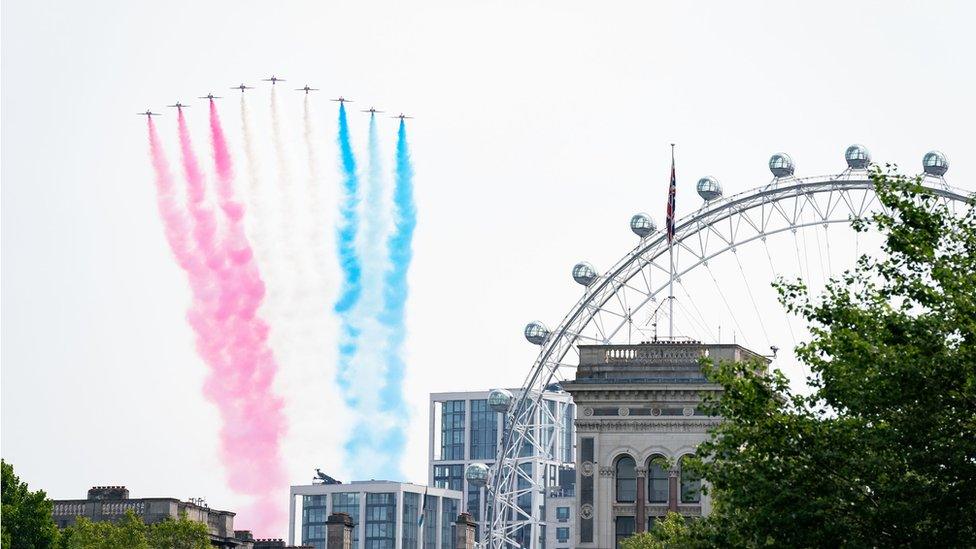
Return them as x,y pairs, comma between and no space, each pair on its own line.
465,430
385,515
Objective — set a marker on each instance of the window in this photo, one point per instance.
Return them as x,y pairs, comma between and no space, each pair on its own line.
314,515
568,432
313,501
657,480
562,514
449,514
484,430
452,430
690,485
380,520
624,527
313,519
449,476
430,521
348,503
626,475
474,502
411,518
562,534
547,423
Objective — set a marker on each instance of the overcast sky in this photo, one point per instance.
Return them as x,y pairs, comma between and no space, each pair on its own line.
540,128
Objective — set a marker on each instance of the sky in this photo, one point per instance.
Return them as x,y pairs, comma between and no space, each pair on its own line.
540,128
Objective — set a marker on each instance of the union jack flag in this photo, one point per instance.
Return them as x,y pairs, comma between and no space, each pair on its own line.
669,221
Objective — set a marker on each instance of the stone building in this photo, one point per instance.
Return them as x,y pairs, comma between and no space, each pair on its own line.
639,415
111,503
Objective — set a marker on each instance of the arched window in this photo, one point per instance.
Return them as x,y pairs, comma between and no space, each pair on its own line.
690,484
626,475
657,480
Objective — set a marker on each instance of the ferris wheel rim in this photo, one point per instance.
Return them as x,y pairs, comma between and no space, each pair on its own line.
497,535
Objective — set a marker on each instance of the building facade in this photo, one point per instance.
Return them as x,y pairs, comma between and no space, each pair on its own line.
560,521
385,515
110,503
639,417
464,430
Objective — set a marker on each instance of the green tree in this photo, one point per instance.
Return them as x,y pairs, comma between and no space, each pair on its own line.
128,533
671,533
882,451
26,521
179,534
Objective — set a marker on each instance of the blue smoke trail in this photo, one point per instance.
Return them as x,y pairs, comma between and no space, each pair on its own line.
348,258
399,247
376,445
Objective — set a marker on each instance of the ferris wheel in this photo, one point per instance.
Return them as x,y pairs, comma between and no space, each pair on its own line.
625,301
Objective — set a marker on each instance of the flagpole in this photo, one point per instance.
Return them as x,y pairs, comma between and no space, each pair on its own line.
671,257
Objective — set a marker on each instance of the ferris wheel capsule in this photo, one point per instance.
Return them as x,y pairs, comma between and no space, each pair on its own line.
935,163
642,224
781,165
477,474
584,273
857,157
536,332
500,400
709,188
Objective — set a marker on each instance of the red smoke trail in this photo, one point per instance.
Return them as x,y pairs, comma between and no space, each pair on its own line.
253,415
231,339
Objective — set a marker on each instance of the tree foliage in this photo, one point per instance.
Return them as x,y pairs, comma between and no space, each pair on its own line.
26,521
131,532
882,452
670,533
179,534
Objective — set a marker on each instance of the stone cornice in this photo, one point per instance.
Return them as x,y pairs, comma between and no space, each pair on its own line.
641,395
646,425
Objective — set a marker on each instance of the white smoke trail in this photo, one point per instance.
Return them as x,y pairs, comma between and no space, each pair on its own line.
258,224
318,221
303,335
293,274
368,450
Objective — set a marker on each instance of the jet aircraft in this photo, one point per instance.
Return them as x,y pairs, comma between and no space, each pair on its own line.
372,110
274,80
342,100
178,105
148,113
306,89
210,96
401,116
242,87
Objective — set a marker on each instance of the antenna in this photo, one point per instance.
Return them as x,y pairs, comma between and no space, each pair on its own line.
630,323
670,230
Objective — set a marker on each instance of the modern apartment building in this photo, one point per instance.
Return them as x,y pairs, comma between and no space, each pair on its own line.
385,514
465,429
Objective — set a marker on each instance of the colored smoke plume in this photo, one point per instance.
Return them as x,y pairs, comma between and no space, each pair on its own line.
253,415
400,250
230,338
370,451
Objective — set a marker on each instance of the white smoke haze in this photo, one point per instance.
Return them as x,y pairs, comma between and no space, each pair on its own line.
291,228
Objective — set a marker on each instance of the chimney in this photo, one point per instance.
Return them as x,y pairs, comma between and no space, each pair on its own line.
464,533
339,531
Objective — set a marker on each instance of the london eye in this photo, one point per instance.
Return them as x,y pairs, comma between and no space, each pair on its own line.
623,302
